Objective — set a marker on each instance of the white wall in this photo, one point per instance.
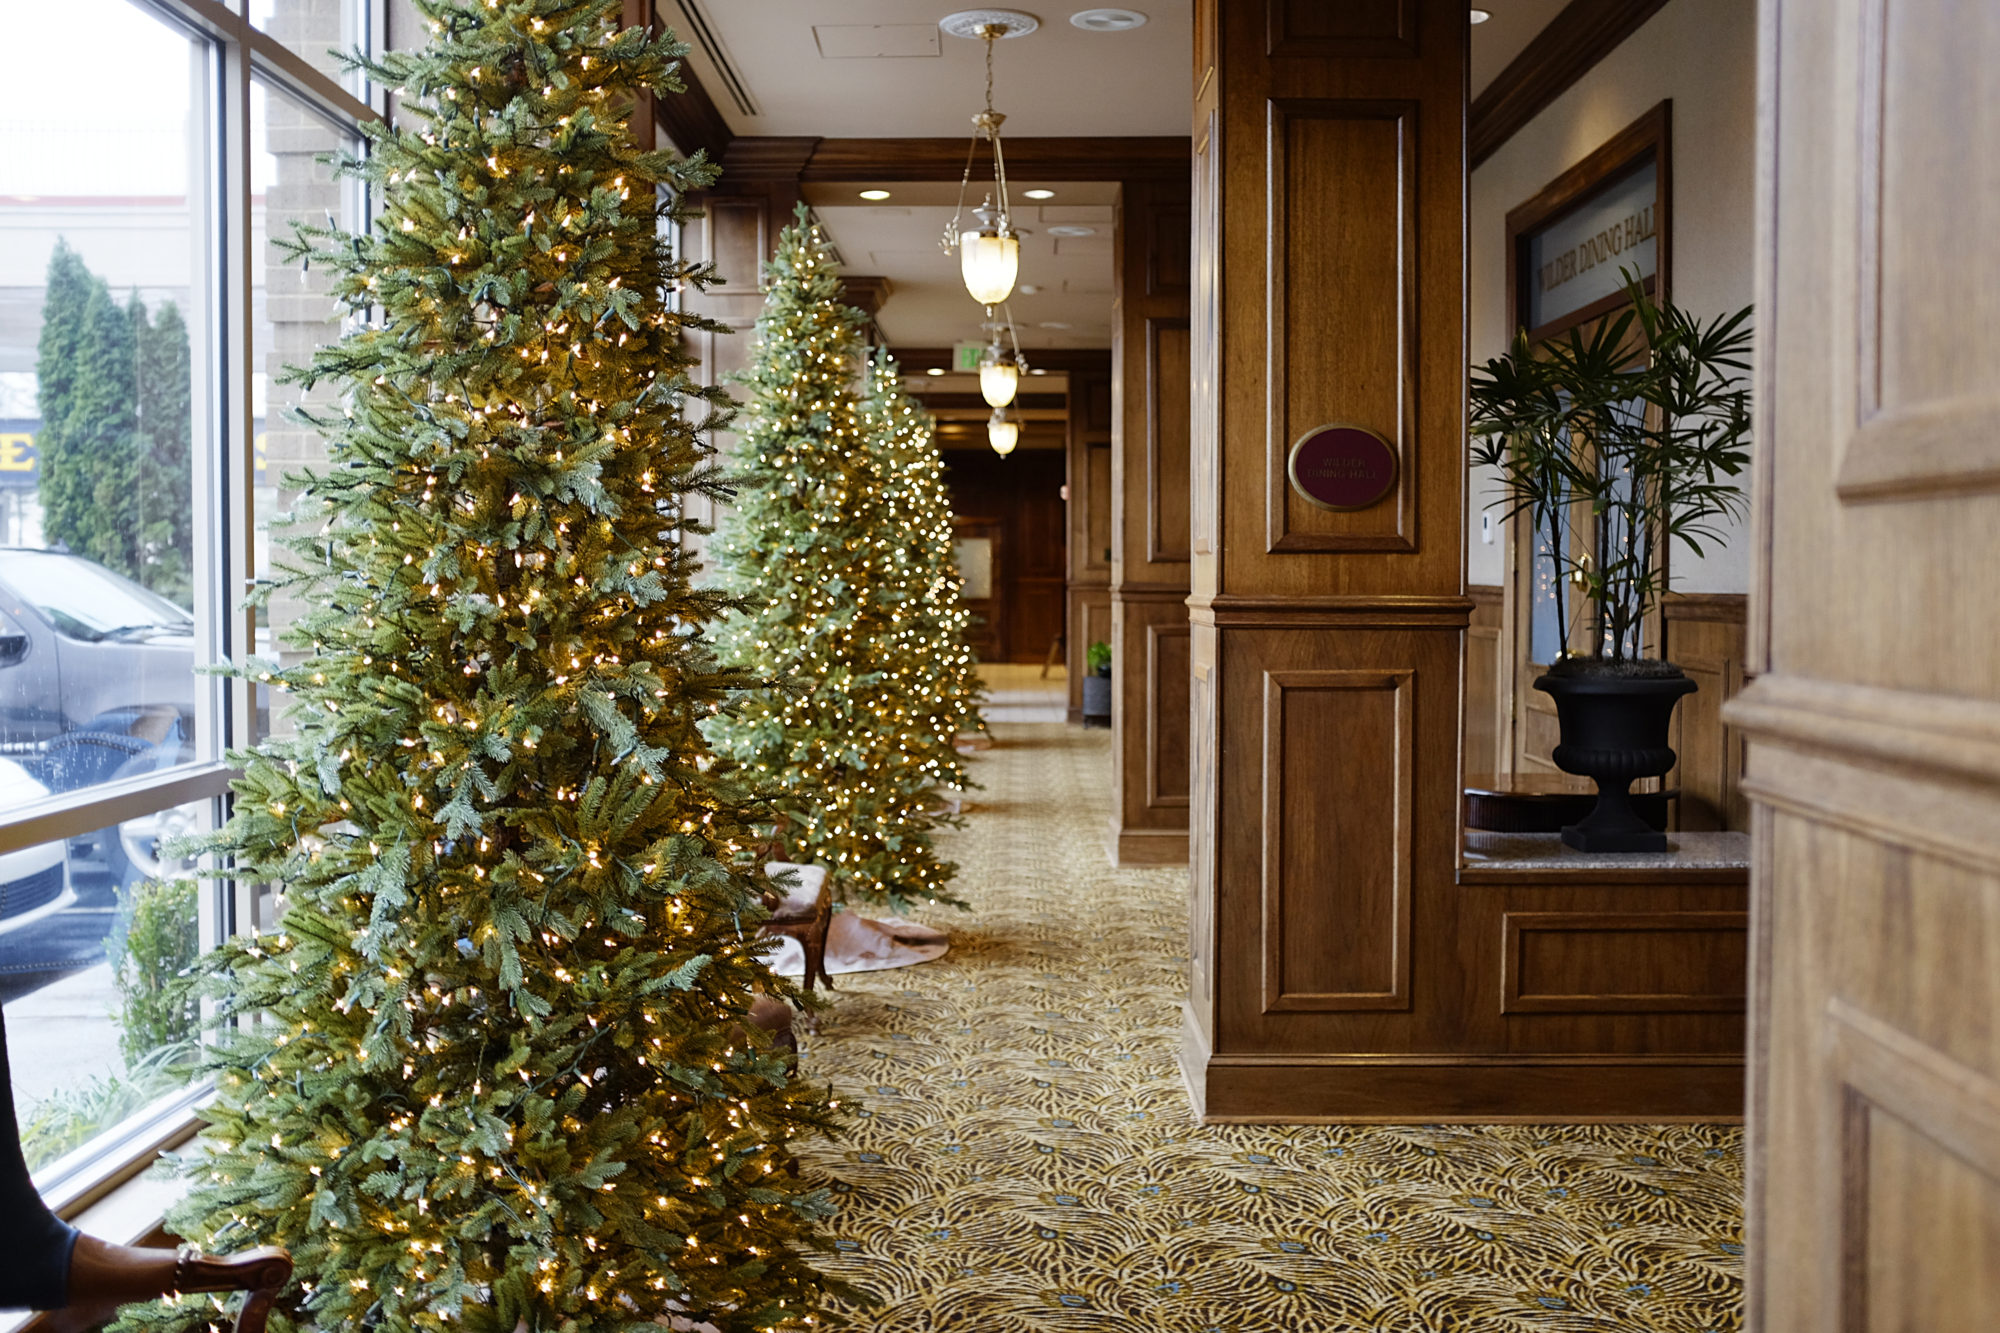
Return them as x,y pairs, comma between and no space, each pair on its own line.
1703,55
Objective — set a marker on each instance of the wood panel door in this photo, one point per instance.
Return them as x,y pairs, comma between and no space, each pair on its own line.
982,551
1873,729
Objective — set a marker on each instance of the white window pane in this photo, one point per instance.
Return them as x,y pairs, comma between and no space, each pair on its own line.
315,29
102,245
293,315
99,1021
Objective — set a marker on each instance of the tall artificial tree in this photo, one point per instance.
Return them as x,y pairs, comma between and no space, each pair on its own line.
492,1070
811,546
936,661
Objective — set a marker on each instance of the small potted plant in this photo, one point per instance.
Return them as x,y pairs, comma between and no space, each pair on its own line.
1613,443
1097,685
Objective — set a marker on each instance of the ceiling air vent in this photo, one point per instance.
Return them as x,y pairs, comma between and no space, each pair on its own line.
875,41
700,34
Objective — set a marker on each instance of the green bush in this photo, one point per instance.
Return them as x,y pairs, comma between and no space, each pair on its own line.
1097,657
66,1120
149,967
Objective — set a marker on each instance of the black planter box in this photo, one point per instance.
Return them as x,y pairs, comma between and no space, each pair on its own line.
1096,700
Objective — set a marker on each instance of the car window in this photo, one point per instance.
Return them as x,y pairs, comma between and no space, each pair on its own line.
85,600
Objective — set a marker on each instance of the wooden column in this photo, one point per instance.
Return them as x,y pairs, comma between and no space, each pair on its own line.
1329,254
1087,619
1344,966
1150,528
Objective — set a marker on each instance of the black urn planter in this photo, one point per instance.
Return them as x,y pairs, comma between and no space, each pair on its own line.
1614,730
1097,699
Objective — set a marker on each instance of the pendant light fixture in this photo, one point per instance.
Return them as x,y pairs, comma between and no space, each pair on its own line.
1000,370
999,376
1002,432
989,258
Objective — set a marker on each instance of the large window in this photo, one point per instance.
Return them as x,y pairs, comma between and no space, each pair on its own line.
145,319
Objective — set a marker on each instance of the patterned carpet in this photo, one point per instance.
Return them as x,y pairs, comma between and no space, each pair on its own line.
1024,1157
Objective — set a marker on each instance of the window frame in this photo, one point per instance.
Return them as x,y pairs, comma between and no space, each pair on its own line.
224,363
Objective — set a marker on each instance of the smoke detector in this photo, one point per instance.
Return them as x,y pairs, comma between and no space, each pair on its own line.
968,22
1107,20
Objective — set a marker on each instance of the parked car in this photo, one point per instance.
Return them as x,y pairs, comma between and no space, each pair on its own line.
34,882
96,683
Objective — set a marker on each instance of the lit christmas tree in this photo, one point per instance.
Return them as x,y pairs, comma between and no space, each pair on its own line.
812,545
494,1070
925,579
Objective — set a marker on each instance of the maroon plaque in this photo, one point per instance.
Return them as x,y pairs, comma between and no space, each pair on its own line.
1342,467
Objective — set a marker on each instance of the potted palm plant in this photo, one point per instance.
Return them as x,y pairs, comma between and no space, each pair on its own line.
1613,443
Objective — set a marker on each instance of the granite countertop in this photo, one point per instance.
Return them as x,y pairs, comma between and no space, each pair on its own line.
1545,851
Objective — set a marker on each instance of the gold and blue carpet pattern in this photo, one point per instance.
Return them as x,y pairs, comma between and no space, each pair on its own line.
1023,1156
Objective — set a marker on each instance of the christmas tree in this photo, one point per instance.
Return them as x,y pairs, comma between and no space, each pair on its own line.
493,1070
812,546
935,661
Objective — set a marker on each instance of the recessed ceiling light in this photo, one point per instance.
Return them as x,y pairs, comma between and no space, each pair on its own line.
935,370
1481,15
1036,370
876,195
1029,289
1039,194
1052,324
1108,20
1072,231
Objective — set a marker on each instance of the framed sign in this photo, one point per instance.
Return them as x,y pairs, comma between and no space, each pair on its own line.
1612,211
1342,467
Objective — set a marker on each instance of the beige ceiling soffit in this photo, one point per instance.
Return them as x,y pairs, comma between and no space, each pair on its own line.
1584,33
700,33
691,119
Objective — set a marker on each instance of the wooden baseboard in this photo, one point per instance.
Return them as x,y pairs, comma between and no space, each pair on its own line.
1128,848
1478,1089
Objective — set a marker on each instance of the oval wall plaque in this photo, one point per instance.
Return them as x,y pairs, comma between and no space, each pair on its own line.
1342,467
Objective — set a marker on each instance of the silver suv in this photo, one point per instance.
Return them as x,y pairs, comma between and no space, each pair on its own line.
96,679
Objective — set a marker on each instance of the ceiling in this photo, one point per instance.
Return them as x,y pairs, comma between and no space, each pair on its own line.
883,69
1502,37
1059,80
928,306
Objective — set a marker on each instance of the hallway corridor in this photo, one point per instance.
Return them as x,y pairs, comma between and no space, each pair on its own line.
1023,1157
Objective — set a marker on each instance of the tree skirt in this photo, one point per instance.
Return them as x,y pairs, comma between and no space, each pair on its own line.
857,943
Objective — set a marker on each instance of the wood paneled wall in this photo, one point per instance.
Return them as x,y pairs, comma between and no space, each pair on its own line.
1487,697
1705,635
1873,724
1022,495
1343,966
1150,528
738,231
1090,501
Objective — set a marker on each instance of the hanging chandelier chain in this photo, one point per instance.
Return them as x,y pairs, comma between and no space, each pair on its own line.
991,34
989,127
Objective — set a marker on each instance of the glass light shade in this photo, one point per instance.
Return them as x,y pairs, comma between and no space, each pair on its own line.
998,381
1003,433
990,262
